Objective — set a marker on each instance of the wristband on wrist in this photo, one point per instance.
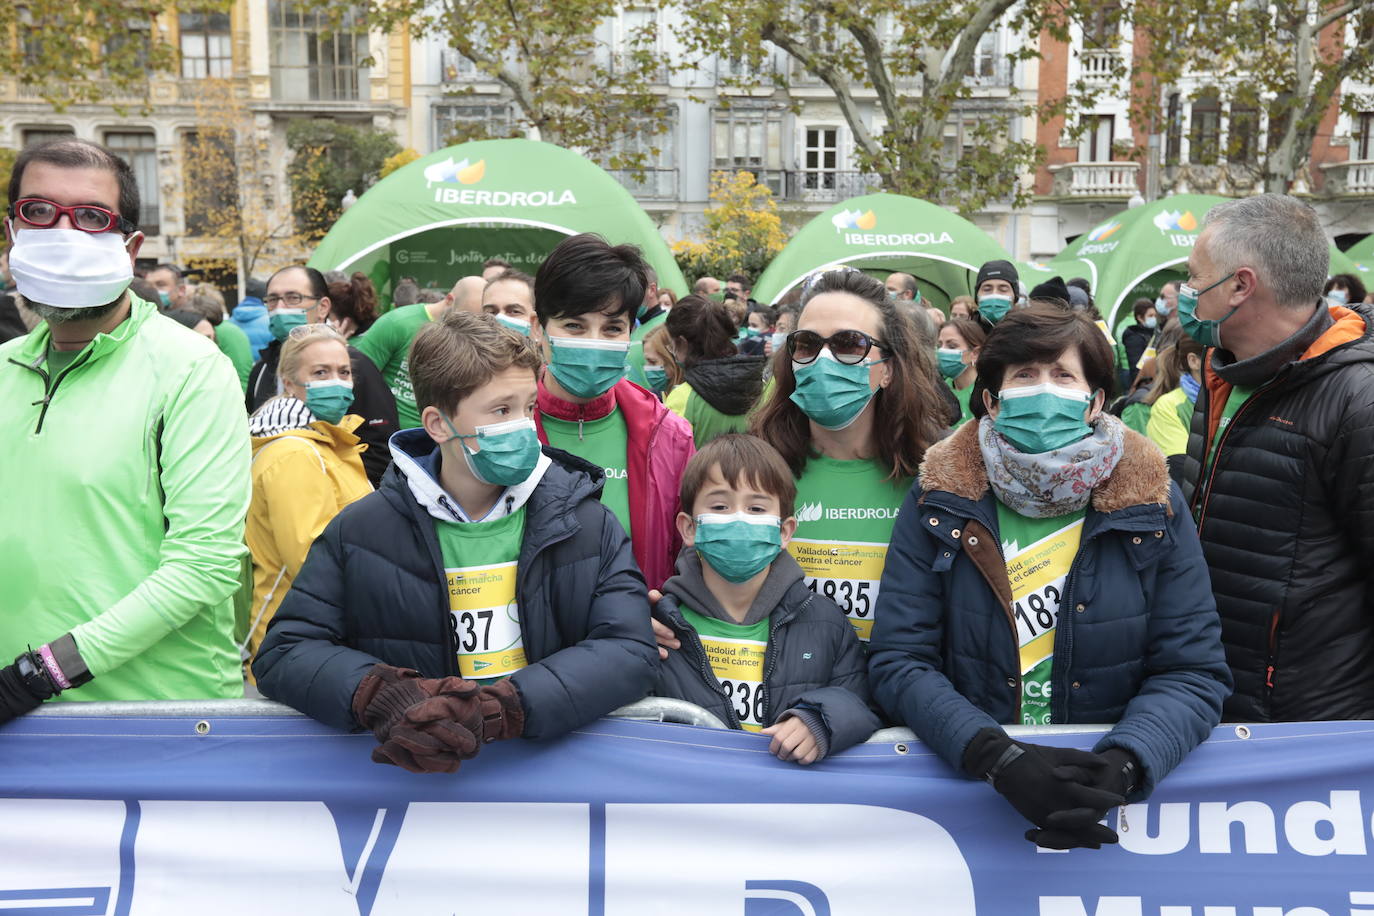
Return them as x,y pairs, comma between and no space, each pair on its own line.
53,668
69,661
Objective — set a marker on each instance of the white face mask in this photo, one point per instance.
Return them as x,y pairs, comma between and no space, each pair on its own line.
68,268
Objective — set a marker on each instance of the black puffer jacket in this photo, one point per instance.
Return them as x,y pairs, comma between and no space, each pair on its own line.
1286,520
814,666
730,385
372,589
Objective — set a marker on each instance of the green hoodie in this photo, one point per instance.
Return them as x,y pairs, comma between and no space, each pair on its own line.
126,486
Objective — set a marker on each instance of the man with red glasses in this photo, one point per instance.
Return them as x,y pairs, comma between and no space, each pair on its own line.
125,458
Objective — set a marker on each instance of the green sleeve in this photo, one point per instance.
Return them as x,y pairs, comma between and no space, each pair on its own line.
233,343
380,342
1136,416
676,399
1166,429
206,488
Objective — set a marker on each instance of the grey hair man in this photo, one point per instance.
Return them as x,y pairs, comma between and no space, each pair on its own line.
1278,473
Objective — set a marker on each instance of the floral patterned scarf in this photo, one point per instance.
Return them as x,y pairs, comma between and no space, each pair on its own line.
1054,483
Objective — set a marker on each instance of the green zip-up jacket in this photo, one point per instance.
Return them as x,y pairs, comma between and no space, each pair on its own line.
126,484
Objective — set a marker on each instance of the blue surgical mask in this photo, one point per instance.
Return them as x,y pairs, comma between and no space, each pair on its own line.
779,340
515,324
283,321
951,362
1162,307
1206,331
657,377
830,392
738,546
1151,322
329,399
1337,297
587,367
509,451
994,308
1041,418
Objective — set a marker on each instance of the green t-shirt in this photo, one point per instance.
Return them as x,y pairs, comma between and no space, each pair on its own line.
480,565
1239,395
387,344
736,653
1039,553
58,361
962,396
845,513
233,343
602,442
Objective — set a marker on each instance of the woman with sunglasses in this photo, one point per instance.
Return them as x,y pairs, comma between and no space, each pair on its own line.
853,408
1046,571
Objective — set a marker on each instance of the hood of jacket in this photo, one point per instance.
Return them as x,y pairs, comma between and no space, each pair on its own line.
290,417
414,478
689,587
249,310
1341,337
730,385
955,465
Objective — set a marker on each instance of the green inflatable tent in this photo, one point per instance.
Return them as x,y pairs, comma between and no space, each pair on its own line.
882,234
1137,251
438,218
1362,253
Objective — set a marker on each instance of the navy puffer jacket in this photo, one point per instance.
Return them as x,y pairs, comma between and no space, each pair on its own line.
1137,643
373,590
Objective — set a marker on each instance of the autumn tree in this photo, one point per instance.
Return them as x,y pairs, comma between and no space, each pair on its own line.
1286,60
233,207
918,60
742,230
330,158
91,50
566,82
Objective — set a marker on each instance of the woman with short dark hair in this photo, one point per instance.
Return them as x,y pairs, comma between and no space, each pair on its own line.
1046,571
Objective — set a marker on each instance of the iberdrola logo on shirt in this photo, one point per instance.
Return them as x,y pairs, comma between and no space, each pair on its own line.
810,512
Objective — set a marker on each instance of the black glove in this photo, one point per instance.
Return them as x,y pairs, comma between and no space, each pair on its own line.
24,685
1051,787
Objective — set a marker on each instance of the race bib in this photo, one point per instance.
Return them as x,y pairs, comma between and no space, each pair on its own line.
738,665
1037,574
485,620
846,572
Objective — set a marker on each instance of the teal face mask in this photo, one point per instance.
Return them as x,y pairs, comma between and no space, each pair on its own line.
1041,418
994,308
166,299
586,367
515,324
329,399
283,321
510,451
738,546
830,392
951,362
657,377
1206,331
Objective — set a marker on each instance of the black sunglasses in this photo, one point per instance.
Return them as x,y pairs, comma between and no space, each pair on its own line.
848,347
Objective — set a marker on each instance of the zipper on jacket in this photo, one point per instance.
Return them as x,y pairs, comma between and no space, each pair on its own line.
770,655
714,682
50,393
1206,494
1273,650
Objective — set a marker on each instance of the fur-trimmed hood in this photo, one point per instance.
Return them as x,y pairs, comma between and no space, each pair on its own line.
955,465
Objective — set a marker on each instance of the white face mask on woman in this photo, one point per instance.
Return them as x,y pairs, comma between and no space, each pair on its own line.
68,268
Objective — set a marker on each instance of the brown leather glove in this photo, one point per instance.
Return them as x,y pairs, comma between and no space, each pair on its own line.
503,716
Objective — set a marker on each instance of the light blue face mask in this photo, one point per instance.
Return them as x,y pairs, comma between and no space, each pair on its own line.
1041,418
779,340
1338,297
329,399
951,362
994,308
509,451
587,367
830,392
739,546
1206,331
1151,322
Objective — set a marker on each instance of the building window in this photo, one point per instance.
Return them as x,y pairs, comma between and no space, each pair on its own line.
205,46
657,178
1099,134
210,178
985,55
314,59
1204,137
1364,137
821,158
1102,30
1173,126
1242,146
44,134
135,41
749,140
140,151
455,124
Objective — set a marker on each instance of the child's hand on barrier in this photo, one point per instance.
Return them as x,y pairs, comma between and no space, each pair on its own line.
792,740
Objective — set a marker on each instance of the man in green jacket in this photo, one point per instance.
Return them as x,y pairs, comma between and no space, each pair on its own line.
126,460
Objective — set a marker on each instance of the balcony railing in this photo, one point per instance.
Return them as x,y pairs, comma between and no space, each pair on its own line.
1349,178
1095,179
1098,65
648,184
828,187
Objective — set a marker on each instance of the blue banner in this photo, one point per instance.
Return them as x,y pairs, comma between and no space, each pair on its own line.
264,816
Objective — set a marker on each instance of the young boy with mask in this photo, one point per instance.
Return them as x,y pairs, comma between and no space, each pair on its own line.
482,593
758,648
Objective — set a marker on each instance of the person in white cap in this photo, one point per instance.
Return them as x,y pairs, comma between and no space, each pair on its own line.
125,461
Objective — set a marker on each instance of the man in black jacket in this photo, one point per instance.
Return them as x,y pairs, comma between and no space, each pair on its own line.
298,295
1279,472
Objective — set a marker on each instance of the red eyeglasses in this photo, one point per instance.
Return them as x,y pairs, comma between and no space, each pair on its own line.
44,214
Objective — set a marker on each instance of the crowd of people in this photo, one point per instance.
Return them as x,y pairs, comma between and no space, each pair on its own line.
510,508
